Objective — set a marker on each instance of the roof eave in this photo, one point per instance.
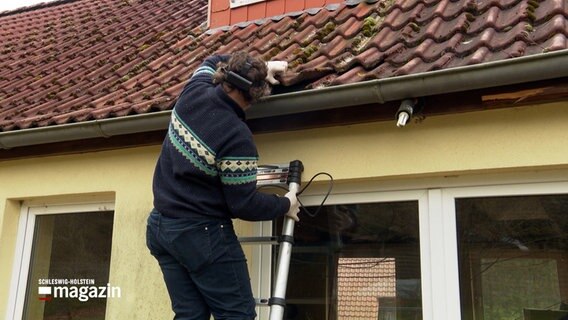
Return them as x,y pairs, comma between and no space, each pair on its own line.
103,128
492,74
486,75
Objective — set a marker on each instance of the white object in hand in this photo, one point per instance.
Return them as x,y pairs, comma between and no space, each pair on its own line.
274,68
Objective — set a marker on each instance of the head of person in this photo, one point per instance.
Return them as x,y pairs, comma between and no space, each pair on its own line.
243,77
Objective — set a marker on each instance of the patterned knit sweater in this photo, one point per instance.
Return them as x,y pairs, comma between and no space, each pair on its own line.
208,162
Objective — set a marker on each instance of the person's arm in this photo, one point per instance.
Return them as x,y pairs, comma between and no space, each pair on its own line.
237,167
204,73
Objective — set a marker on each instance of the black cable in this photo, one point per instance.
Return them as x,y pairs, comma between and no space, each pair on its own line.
304,188
324,198
315,176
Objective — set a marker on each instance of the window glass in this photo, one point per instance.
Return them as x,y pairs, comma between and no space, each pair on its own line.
513,257
356,261
69,251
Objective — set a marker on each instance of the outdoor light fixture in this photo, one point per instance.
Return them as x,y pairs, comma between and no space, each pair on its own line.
407,109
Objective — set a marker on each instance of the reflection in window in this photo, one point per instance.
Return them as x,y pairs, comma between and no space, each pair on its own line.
364,286
356,261
69,246
513,257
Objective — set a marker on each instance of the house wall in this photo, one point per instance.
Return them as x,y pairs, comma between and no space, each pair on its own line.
221,14
493,140
504,140
125,175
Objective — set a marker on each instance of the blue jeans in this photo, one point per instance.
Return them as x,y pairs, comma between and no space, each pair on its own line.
204,267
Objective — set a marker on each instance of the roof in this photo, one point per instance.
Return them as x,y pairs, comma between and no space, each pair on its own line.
74,61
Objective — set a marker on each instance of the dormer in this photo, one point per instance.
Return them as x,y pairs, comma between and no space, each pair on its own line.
230,12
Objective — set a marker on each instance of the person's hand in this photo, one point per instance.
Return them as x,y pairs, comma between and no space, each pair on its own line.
294,206
274,68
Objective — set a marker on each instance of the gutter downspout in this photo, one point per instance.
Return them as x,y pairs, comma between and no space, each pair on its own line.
492,74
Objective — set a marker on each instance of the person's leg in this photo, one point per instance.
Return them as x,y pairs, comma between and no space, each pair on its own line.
187,302
226,289
225,283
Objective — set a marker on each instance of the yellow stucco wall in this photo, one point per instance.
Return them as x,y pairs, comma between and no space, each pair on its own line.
126,173
496,140
500,139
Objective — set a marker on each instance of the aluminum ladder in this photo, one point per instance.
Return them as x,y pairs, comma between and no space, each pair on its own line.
279,175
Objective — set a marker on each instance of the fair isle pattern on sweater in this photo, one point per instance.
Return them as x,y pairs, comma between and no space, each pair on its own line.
237,170
190,146
204,69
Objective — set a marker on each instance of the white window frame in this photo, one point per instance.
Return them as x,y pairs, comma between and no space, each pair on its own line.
437,221
261,266
449,197
428,265
24,244
240,3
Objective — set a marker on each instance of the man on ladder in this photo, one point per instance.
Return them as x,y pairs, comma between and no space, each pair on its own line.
206,176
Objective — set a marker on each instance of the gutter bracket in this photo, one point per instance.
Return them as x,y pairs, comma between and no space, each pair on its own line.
376,90
99,128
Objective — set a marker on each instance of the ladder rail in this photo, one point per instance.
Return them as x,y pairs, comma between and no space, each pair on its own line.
278,299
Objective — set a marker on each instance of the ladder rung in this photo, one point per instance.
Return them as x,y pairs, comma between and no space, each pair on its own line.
272,175
259,240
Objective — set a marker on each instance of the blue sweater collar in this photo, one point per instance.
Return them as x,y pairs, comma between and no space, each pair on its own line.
230,102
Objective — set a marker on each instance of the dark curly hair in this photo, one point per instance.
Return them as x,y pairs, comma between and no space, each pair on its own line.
256,74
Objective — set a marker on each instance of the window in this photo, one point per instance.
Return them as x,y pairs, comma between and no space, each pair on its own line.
356,261
465,250
65,248
239,3
513,257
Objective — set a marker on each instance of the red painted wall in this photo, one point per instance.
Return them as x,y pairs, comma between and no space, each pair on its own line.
221,14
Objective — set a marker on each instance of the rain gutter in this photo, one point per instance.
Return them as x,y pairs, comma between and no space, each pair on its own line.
492,74
104,128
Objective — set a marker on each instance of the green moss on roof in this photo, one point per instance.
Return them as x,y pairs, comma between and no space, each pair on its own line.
326,30
369,26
